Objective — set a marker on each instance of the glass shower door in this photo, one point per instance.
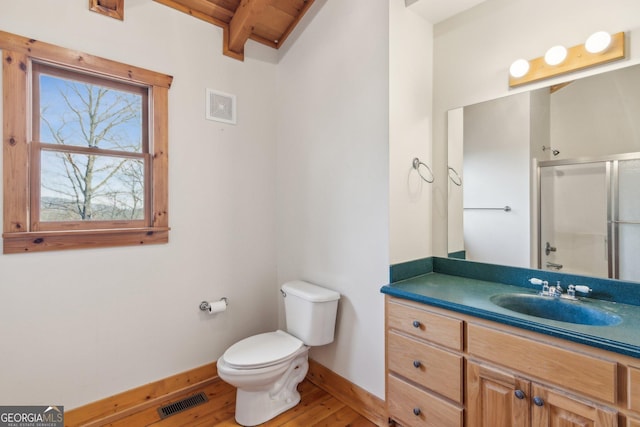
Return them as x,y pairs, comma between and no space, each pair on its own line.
573,218
626,220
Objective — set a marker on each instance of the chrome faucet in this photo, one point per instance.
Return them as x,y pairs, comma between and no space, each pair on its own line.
554,265
555,291
547,291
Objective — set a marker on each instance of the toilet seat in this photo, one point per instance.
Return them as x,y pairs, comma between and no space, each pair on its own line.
262,350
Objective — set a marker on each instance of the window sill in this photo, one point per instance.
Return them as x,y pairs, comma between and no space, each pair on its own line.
14,243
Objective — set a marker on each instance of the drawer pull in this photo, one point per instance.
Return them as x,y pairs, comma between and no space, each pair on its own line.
416,364
519,394
538,401
416,324
416,411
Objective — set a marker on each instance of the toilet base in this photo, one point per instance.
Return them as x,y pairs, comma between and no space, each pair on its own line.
256,407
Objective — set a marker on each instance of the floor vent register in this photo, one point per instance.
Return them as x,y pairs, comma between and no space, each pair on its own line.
182,405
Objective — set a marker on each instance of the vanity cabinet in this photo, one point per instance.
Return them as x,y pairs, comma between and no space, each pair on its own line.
446,369
424,367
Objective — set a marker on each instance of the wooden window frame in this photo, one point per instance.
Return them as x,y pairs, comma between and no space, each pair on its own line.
19,235
111,8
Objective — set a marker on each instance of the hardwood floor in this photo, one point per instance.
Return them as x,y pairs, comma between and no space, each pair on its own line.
317,408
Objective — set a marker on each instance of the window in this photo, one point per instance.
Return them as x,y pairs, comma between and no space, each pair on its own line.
90,139
85,150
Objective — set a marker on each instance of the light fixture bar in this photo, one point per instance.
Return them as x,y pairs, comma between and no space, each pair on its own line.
577,59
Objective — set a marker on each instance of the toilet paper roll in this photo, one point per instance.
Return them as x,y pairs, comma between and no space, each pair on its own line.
217,306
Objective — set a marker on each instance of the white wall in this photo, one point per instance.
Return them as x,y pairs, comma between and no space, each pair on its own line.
410,129
496,169
80,325
597,116
333,163
473,51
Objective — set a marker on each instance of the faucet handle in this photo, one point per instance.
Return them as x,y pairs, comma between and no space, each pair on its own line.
571,291
544,283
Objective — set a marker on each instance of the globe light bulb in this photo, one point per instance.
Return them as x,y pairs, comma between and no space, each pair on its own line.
519,68
598,42
556,55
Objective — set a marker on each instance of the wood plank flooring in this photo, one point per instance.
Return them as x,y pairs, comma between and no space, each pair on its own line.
317,408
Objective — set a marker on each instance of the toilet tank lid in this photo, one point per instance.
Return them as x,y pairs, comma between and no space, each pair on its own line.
310,292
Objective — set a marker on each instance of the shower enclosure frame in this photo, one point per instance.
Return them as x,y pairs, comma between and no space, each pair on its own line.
612,163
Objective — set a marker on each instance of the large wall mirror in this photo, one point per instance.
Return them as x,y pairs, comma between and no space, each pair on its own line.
550,178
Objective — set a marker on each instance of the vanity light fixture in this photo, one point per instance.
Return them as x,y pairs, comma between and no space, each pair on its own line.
600,48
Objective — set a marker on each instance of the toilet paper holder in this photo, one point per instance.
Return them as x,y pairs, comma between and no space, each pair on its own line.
204,305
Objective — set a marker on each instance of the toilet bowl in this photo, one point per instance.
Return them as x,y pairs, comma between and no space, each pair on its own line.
267,368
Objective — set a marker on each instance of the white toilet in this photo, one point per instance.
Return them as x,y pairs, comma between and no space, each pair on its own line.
267,368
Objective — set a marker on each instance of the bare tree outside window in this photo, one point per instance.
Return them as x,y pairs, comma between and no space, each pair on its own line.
86,159
92,157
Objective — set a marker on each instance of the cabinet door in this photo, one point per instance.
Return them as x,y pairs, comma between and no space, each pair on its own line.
551,408
496,398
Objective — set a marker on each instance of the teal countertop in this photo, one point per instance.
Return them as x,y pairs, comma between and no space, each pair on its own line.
471,295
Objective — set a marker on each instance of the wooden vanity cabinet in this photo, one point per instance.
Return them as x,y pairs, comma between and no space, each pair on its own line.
446,369
424,367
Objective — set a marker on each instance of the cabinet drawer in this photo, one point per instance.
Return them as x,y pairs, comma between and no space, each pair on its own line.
435,369
579,372
436,328
634,388
411,406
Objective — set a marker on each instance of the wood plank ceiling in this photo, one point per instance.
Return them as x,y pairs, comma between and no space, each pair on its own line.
265,21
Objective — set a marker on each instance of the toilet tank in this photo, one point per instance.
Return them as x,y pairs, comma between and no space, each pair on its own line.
310,312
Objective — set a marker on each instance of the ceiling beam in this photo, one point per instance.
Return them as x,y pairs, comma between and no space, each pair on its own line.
241,26
197,12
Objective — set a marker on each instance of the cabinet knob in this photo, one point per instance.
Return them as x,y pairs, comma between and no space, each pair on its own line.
416,324
538,401
519,394
416,364
416,411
